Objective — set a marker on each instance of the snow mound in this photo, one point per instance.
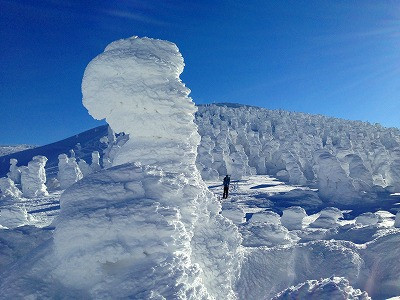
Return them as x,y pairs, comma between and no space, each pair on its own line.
367,219
8,189
329,288
292,217
328,218
267,271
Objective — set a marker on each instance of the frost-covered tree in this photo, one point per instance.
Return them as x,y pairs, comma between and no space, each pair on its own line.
95,165
33,177
8,189
15,172
68,171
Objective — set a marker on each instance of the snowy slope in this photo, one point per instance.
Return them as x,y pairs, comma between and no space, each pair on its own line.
89,141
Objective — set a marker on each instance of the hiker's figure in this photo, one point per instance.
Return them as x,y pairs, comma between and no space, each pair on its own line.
227,180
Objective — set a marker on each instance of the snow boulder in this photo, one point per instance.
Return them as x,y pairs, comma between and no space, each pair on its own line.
8,189
367,219
337,288
292,217
328,218
265,217
33,177
12,215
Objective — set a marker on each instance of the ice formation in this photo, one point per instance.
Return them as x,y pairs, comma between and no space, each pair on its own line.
15,172
8,189
330,288
68,171
143,231
33,177
345,160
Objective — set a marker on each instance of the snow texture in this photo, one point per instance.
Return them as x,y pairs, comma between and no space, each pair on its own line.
330,288
33,177
292,218
8,189
68,171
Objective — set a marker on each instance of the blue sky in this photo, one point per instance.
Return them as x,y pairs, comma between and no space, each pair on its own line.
337,58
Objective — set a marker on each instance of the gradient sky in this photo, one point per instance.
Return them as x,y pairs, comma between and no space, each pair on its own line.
337,58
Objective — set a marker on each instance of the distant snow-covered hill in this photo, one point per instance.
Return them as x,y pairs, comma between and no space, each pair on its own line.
83,144
9,149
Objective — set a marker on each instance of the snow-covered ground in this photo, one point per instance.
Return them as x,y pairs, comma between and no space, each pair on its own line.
357,246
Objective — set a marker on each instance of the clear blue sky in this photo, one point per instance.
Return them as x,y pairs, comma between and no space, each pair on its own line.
337,58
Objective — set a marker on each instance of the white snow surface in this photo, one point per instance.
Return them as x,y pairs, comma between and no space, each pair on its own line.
329,288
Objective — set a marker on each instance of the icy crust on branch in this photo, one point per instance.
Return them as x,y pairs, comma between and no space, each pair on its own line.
329,288
134,84
345,160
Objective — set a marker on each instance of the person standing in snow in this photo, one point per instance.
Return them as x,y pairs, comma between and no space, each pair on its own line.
227,181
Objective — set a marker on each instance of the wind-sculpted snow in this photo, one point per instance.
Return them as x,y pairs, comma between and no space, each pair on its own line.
140,231
330,288
344,159
149,101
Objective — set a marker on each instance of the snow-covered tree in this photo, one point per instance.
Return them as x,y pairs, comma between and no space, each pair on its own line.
15,172
68,171
33,177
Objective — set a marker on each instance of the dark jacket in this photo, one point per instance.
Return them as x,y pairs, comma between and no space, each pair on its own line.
227,180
